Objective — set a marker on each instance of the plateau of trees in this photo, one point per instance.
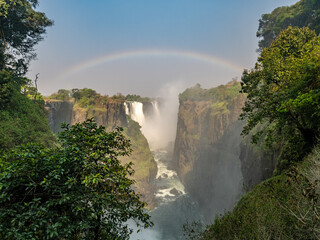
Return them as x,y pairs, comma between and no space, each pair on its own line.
78,190
86,97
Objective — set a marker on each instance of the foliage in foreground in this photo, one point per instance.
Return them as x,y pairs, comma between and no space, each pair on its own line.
283,94
303,13
76,191
21,27
283,207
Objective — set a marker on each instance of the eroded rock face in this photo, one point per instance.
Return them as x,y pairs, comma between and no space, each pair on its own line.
257,163
207,151
214,162
58,112
111,115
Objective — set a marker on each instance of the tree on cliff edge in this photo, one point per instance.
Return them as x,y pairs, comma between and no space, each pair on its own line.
76,191
305,13
21,28
283,93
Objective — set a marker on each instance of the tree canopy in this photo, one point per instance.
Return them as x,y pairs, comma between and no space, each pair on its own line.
21,28
78,190
305,13
283,93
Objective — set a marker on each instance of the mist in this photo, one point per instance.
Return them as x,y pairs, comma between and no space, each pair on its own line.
160,129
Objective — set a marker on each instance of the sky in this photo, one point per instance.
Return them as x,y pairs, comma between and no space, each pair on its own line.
147,46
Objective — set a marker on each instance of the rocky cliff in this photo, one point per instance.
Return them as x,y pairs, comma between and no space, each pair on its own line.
257,162
215,163
110,115
207,146
59,112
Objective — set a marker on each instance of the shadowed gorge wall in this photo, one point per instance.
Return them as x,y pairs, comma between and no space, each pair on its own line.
207,146
215,163
257,163
58,112
110,115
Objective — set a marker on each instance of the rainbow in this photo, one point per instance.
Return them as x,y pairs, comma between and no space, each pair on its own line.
209,59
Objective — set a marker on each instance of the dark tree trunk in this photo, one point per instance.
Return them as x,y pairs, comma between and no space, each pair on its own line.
97,229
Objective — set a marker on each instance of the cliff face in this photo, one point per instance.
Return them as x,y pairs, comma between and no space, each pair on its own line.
212,159
257,163
111,115
200,125
207,146
58,112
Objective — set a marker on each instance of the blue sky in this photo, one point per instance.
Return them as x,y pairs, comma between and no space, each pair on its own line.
85,30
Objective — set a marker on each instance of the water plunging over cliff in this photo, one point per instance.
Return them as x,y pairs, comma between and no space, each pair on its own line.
135,111
152,122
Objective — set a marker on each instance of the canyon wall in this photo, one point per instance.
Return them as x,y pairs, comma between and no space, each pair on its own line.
211,157
110,115
257,162
58,112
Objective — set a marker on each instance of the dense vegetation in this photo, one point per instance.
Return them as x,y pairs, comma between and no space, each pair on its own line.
72,189
137,98
78,190
85,98
303,13
283,93
282,111
88,102
220,93
21,119
22,27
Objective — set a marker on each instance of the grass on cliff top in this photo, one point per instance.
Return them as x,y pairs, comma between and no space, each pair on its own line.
220,93
283,207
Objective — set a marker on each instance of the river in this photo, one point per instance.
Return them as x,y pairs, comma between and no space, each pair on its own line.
175,207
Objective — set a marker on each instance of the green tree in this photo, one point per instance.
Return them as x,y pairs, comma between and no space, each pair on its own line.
78,190
283,93
305,13
62,94
21,28
9,84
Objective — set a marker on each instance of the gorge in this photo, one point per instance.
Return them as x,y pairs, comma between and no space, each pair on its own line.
193,174
189,162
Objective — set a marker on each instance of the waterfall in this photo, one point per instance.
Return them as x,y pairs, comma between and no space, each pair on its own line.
135,111
156,110
158,123
149,121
